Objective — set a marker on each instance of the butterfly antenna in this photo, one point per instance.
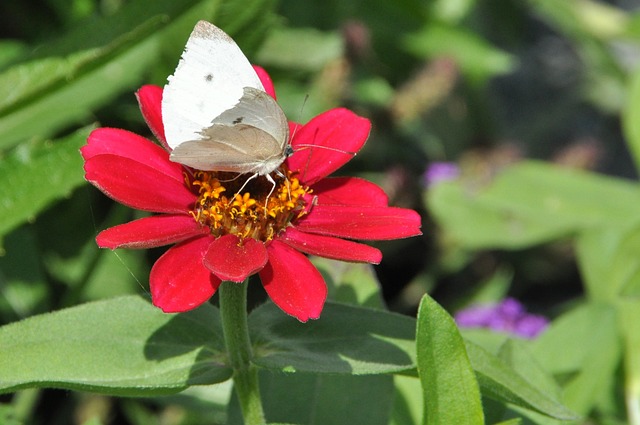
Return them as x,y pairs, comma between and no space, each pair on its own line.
329,148
304,103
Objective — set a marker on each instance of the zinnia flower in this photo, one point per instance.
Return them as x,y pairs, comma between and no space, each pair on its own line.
220,234
507,316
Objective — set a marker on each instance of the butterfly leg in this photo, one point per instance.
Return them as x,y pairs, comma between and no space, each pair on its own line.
273,186
245,183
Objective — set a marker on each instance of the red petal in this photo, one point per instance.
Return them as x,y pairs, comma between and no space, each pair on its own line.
179,281
150,101
338,129
265,79
150,232
129,145
230,260
293,283
349,191
369,223
137,185
330,247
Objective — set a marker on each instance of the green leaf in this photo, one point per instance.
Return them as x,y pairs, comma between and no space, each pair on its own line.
91,65
595,253
283,46
449,387
598,379
122,346
558,202
582,344
451,11
36,174
7,416
609,262
116,273
564,346
629,319
351,283
631,118
346,339
500,382
516,353
247,22
373,342
67,234
477,59
23,287
624,278
584,19
407,406
205,404
10,50
36,110
327,399
322,399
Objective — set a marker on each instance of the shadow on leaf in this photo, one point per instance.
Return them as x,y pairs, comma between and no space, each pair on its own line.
346,339
201,330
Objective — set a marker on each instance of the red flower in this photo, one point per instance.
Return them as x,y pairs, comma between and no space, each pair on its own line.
224,235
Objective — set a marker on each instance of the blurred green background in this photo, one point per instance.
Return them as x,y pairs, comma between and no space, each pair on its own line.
487,85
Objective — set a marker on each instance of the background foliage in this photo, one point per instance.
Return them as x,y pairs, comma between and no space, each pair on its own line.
537,101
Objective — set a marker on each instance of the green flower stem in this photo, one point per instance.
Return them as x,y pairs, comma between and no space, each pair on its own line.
233,310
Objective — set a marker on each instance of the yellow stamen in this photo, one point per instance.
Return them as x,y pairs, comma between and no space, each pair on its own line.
256,213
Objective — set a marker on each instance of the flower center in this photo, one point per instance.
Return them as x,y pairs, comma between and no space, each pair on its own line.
260,211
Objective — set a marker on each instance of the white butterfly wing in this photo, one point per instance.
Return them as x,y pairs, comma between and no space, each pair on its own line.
257,109
250,137
209,80
239,148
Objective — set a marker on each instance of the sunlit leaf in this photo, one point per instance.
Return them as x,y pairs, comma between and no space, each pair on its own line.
500,382
476,58
609,259
407,405
449,386
121,346
582,344
557,202
631,118
629,319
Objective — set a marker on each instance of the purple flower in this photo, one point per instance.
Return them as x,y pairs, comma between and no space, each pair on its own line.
440,171
508,316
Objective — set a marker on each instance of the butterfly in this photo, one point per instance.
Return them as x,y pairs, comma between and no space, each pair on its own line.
216,113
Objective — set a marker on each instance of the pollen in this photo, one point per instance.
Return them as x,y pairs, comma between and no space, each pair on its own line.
229,203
